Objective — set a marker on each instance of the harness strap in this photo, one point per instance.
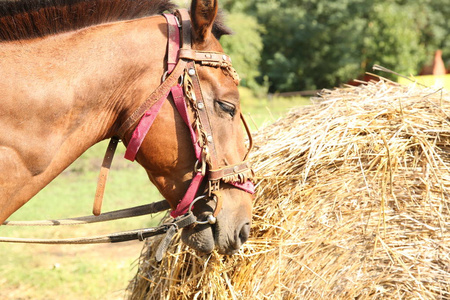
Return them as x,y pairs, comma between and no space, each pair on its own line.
143,127
182,221
204,56
160,91
142,210
247,186
138,234
101,239
179,61
104,171
180,103
229,171
183,205
147,112
203,115
173,43
185,20
149,116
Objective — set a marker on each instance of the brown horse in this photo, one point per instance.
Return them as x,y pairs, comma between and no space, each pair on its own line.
73,72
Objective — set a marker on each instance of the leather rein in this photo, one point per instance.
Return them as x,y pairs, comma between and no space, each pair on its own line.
182,82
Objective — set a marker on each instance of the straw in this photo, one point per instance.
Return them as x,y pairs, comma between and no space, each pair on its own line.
352,202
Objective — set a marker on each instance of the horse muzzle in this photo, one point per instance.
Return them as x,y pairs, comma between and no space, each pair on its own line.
231,228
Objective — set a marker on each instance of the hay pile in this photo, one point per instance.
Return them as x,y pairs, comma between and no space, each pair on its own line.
352,202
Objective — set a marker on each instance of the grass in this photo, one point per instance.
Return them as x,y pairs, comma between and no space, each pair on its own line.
261,111
64,273
92,271
79,271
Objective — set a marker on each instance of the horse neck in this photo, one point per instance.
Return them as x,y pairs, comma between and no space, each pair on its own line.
65,93
113,68
121,64
109,71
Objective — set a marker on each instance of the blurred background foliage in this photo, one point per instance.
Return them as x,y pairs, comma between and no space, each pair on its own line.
245,46
292,45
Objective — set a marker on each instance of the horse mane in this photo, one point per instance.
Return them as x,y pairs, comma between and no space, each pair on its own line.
26,19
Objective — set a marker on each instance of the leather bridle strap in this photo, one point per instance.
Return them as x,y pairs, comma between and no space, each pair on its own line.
204,56
203,114
149,116
138,234
146,113
131,212
104,171
155,96
229,171
180,61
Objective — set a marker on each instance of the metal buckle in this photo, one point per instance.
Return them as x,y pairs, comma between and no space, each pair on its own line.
200,169
164,77
178,21
213,185
180,80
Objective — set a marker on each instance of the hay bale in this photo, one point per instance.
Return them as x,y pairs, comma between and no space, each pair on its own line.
352,202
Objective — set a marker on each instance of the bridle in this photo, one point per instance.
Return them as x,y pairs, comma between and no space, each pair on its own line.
182,82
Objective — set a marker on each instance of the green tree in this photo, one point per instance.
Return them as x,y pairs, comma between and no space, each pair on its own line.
244,46
310,44
392,38
319,45
433,21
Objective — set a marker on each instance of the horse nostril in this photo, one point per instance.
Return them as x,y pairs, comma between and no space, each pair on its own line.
234,243
244,233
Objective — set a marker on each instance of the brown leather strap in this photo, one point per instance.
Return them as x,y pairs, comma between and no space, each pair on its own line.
219,202
249,135
185,20
101,184
206,56
137,234
166,85
170,81
229,170
131,212
235,169
186,61
203,116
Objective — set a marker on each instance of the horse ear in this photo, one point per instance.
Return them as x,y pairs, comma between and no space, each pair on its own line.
203,14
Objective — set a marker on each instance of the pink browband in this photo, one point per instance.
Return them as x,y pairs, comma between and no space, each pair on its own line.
173,50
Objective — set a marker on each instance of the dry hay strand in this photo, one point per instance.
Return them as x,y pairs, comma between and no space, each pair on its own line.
352,202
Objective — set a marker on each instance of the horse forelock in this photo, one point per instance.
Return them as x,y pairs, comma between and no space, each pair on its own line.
26,19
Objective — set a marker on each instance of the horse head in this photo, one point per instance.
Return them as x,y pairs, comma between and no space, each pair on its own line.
219,153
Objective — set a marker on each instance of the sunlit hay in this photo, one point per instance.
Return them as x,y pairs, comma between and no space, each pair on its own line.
352,202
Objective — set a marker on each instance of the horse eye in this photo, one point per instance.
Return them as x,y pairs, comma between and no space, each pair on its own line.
227,107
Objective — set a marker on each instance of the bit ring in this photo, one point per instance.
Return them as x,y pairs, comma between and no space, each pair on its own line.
210,219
